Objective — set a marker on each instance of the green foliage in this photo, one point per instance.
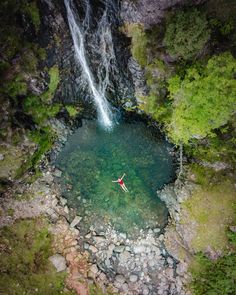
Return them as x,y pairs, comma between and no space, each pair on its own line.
156,103
214,277
186,33
95,290
25,268
217,148
71,110
232,238
40,111
159,109
204,100
31,9
139,42
225,28
16,86
44,138
54,80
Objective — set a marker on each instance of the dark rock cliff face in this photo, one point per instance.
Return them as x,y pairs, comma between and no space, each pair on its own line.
149,12
73,88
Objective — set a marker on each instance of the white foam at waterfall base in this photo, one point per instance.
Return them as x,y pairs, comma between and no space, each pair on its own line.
105,115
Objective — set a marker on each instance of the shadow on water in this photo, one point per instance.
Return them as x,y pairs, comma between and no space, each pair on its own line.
92,158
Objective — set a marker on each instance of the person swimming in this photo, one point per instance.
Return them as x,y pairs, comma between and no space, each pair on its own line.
121,183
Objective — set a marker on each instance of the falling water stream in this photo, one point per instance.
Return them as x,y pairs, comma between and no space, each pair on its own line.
78,30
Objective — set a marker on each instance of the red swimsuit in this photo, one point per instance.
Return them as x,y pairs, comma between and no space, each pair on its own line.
120,181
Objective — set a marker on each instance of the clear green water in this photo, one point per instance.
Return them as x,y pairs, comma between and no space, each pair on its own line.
92,158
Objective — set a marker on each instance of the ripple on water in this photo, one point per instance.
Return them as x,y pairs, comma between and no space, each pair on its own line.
92,158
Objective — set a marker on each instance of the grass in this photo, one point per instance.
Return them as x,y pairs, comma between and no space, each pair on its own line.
44,138
95,290
13,159
25,269
54,80
211,208
31,9
72,110
40,111
15,87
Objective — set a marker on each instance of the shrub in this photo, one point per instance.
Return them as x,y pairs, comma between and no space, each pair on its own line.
186,33
214,277
203,100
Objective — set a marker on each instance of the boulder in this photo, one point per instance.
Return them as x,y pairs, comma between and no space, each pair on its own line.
58,261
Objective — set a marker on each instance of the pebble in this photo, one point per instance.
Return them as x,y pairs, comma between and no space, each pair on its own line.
133,278
63,201
119,249
161,237
66,209
98,239
86,246
75,221
107,263
156,230
93,249
170,261
139,249
102,276
94,269
2,157
125,288
145,290
88,236
124,256
120,279
123,235
57,173
151,263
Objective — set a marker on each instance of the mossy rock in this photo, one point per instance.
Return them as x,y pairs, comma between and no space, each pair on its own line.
14,157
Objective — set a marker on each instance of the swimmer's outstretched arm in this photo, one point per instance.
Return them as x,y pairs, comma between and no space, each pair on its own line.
114,180
123,176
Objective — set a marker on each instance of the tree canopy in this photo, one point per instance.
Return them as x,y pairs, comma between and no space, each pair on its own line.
186,33
203,100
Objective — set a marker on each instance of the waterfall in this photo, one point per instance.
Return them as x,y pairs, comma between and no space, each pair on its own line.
104,48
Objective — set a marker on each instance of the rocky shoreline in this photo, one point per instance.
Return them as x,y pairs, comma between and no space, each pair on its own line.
109,258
